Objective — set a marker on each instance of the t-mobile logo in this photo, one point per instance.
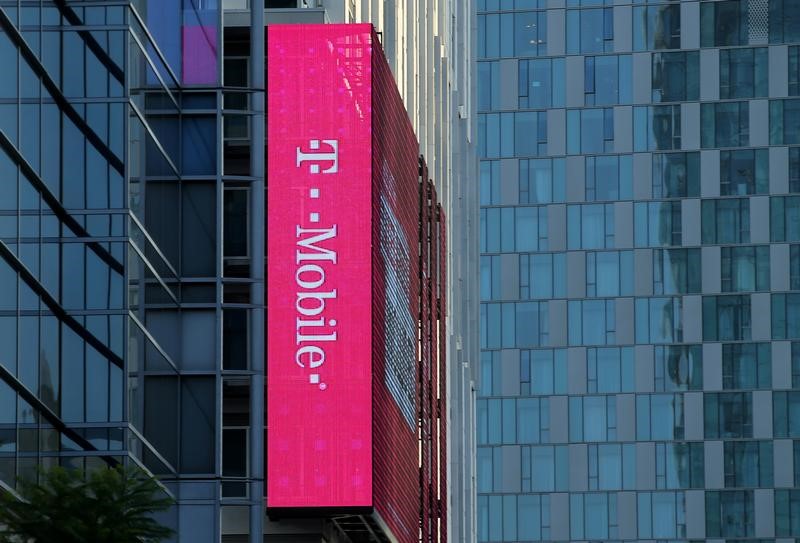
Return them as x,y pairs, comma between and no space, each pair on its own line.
317,156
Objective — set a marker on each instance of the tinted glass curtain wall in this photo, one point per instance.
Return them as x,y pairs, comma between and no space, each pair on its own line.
640,316
108,202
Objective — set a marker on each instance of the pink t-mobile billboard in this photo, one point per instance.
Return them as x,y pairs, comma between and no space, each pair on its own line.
319,267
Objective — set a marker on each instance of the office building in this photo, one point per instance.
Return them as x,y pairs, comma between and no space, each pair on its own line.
639,257
132,240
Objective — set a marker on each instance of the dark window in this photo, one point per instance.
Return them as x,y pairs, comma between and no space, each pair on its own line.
784,21
676,76
744,171
726,318
746,365
728,415
726,221
725,124
235,339
723,23
658,224
676,271
784,122
743,73
199,233
786,316
656,27
657,127
730,513
676,175
198,424
784,218
678,367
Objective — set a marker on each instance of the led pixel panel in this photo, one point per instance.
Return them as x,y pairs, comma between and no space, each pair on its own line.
319,267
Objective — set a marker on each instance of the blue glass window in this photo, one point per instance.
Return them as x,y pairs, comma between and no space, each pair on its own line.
542,276
726,221
661,515
723,23
676,76
784,218
743,73
748,464
676,271
609,369
656,127
728,415
787,513
784,21
590,226
490,182
745,269
786,414
489,85
609,273
593,516
658,224
794,267
543,371
746,366
743,171
794,70
541,180
786,316
590,131
607,80
678,368
522,34
730,513
725,124
656,27
612,466
510,229
593,418
726,318
510,325
659,417
541,83
545,469
676,175
784,122
680,465
592,322
590,30
659,320
609,177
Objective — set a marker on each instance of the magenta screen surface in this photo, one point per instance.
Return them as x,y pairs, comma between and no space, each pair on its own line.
319,311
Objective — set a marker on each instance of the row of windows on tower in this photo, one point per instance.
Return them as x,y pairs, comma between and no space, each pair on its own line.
645,417
657,224
660,516
645,128
660,368
611,79
598,29
624,321
660,175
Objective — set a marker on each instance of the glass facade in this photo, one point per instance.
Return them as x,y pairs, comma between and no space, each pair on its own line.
124,310
640,308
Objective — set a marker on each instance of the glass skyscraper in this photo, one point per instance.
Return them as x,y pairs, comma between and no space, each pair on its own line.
133,233
640,270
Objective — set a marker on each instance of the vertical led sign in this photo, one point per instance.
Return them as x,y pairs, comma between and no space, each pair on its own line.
319,267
